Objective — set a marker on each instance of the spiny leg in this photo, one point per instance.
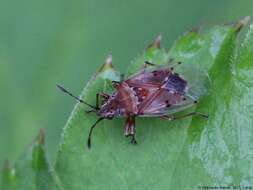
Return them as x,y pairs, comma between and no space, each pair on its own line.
172,118
129,129
91,129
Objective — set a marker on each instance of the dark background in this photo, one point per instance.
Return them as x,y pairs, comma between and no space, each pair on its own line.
45,42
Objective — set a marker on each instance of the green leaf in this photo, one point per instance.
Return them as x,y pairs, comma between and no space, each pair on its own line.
8,181
31,171
170,155
213,149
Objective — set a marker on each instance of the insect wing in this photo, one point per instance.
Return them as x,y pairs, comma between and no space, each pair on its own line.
147,81
167,102
198,81
152,76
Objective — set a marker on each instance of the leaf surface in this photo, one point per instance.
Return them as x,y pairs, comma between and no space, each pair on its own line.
170,155
31,171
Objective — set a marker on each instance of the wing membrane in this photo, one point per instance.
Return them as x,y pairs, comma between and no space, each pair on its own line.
168,101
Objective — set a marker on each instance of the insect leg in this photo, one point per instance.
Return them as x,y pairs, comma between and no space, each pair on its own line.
133,140
115,83
147,63
170,61
172,118
103,95
97,100
91,129
129,129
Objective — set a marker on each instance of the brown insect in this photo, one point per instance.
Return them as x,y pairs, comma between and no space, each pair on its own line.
155,91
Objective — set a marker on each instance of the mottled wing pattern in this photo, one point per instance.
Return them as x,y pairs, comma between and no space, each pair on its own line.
146,82
159,90
167,92
166,102
149,77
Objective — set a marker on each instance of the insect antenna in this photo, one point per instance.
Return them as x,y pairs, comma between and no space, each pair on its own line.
91,129
78,99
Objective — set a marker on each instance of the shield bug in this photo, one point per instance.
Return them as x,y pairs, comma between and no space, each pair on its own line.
154,91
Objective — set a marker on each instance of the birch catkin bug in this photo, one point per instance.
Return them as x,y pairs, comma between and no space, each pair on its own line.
155,91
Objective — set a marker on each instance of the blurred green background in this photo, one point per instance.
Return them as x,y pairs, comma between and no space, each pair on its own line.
45,42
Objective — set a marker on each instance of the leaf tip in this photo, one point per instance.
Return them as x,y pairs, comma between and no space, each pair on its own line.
195,29
156,43
107,65
241,23
41,137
